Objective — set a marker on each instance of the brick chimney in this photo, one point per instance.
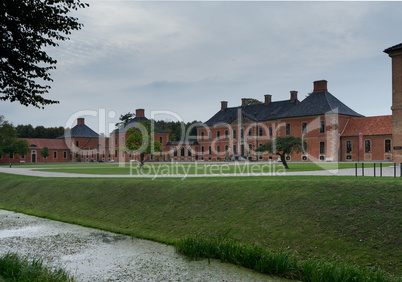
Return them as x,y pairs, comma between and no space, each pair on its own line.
293,96
224,105
267,99
80,121
320,85
244,102
139,113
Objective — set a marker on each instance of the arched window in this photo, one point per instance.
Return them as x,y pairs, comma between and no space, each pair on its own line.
189,152
182,152
175,152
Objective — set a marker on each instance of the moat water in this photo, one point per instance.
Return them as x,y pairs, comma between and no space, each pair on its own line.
95,255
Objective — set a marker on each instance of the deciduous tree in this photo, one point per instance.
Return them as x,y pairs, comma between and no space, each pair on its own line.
44,152
27,27
141,139
125,119
283,146
9,143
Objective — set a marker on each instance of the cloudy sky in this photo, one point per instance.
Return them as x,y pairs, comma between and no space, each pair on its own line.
186,57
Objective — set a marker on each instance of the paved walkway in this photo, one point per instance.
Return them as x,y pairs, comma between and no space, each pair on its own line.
386,172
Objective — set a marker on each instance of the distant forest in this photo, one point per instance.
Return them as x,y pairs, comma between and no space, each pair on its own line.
173,127
28,131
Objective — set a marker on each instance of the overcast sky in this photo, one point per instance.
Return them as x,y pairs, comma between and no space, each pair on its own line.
186,57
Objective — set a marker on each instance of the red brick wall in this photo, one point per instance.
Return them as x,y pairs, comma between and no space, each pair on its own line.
377,148
39,159
334,125
397,105
126,157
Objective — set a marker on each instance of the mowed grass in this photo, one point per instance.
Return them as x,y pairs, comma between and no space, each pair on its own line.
354,220
189,169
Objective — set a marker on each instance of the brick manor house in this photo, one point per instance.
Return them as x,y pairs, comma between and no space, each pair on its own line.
332,131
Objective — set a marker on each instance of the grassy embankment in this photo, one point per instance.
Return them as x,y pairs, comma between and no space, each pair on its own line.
354,220
15,268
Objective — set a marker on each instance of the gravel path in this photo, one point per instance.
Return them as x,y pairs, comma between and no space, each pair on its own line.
96,255
387,171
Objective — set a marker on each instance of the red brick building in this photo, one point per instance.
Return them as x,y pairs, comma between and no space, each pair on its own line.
58,152
395,52
326,124
85,144
119,136
332,131
80,143
366,139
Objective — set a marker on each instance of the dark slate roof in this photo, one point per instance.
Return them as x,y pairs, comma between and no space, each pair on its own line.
394,48
182,143
320,103
80,130
259,112
133,124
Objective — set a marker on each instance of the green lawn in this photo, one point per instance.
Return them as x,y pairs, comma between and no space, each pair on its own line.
182,168
356,220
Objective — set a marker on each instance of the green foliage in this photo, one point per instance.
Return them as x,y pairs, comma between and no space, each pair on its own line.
252,101
44,152
279,263
283,146
28,131
346,217
9,143
141,139
124,119
27,27
179,131
15,268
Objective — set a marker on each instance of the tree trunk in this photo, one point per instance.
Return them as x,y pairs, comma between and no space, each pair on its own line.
283,160
142,160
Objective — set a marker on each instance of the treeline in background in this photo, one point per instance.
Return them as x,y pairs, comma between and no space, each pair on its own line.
175,129
28,131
